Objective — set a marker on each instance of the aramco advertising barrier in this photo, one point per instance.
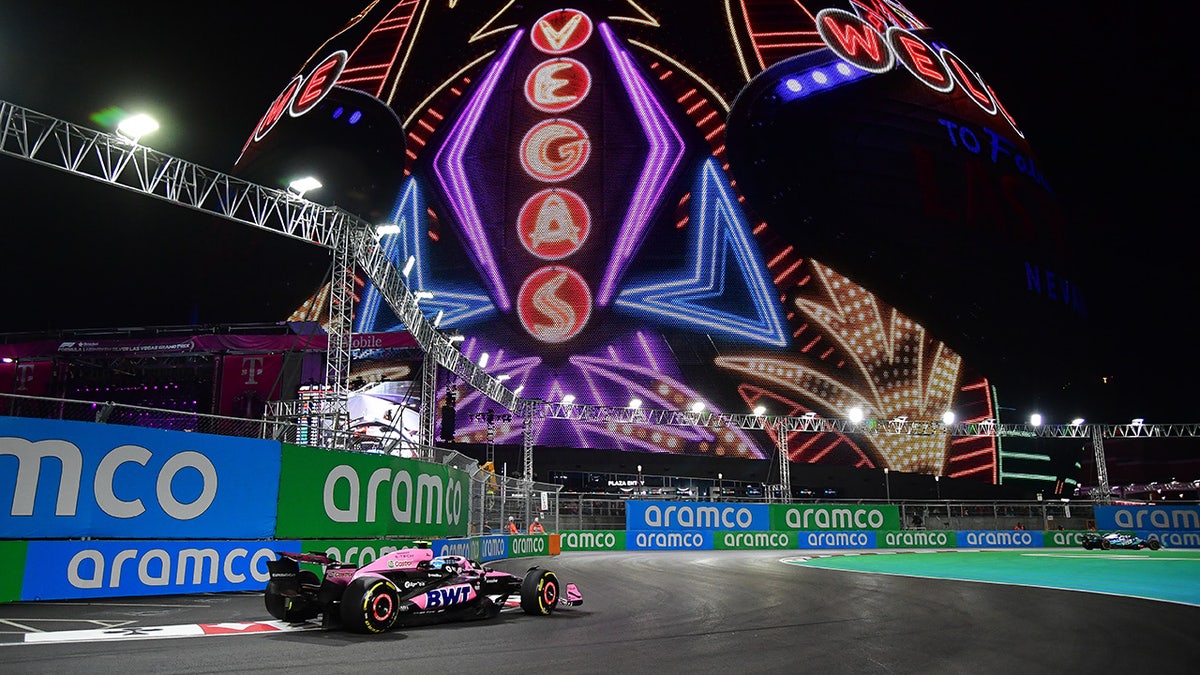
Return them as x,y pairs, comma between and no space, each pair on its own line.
1174,526
80,479
338,495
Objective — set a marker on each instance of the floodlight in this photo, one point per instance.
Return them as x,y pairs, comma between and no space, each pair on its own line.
136,126
303,185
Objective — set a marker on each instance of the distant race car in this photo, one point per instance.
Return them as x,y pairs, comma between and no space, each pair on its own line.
406,587
1109,540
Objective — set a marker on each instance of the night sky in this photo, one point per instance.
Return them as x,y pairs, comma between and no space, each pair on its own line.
1103,93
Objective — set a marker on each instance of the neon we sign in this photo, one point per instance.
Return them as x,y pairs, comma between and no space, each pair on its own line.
860,43
303,93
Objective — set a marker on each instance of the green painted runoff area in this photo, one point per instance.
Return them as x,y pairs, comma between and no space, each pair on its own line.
1169,575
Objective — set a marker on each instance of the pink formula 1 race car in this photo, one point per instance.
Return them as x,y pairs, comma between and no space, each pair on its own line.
406,587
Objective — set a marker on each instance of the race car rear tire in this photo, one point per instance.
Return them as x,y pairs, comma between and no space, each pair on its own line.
1105,544
539,592
300,608
1154,544
370,605
1087,545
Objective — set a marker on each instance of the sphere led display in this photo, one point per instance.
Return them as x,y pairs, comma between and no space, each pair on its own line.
799,206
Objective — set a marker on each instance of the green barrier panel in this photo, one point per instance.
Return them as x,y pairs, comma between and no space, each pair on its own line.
529,545
593,540
342,495
1063,538
13,553
810,517
916,539
725,541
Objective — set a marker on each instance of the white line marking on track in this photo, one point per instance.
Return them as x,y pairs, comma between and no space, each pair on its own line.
14,624
164,632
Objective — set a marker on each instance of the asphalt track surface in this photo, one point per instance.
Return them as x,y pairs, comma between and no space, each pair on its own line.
672,612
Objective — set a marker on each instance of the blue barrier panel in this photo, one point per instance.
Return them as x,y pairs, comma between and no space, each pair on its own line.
822,539
674,540
78,479
466,547
1148,517
1000,538
60,570
654,515
492,548
1172,538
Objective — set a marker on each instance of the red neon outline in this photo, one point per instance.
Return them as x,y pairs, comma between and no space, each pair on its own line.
581,138
844,41
281,103
957,68
575,206
571,83
318,84
572,42
921,59
535,282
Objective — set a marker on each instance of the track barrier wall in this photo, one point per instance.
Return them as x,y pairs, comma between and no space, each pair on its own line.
92,510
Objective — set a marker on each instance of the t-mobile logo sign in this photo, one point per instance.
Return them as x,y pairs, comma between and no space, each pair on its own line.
24,376
252,368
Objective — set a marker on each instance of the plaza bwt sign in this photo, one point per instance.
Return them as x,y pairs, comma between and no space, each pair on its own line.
79,479
57,570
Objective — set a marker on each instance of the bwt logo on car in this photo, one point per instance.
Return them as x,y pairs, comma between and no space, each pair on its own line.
30,454
699,517
824,518
451,595
527,546
433,499
88,568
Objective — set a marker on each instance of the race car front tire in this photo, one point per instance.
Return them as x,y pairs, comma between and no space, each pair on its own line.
370,605
539,592
1105,544
290,607
1154,544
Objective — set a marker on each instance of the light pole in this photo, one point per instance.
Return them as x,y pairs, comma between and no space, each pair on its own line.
720,485
638,491
887,484
938,481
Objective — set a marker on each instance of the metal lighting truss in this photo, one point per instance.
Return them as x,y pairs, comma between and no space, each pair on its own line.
117,161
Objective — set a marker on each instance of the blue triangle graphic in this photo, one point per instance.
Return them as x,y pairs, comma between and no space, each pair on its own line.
724,276
461,303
